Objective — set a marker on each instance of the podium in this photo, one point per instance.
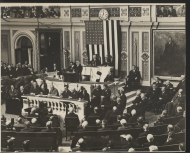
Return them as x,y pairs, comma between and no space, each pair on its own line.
92,72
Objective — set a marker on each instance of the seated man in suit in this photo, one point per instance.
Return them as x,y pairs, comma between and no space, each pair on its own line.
54,69
139,122
84,126
55,121
153,148
169,87
95,61
119,118
96,112
13,93
80,146
104,126
98,122
146,131
162,12
107,61
179,111
66,93
134,76
34,89
140,107
22,91
27,127
109,146
96,96
10,72
123,126
163,99
181,124
74,94
157,82
164,114
109,77
181,85
171,12
72,114
171,139
53,91
10,145
34,123
133,119
170,128
26,146
150,139
153,97
130,142
49,127
111,113
125,115
178,100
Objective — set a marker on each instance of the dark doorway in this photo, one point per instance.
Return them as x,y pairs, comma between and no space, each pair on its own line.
49,49
24,52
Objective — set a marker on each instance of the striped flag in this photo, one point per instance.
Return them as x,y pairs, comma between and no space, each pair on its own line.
104,38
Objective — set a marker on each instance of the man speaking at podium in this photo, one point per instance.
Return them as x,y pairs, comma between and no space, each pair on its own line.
95,62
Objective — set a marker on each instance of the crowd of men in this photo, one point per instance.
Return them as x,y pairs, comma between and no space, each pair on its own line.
16,71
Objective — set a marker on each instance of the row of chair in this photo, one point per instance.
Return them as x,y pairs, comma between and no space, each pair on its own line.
38,140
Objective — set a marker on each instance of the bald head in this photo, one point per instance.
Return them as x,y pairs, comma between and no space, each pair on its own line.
114,108
170,127
128,137
150,138
153,148
123,122
71,109
131,150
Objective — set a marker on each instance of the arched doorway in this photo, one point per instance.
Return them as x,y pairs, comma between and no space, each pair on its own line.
24,51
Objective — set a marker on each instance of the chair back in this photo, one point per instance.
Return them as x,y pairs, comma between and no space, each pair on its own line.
92,120
159,129
174,147
172,120
161,139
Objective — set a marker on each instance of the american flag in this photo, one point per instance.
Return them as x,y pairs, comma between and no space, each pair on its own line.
104,38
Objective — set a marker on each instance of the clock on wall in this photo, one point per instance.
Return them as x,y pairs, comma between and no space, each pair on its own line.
103,14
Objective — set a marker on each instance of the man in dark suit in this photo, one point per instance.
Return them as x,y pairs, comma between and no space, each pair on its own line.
74,94
34,89
66,93
80,146
131,143
136,101
181,124
106,94
133,119
10,72
171,139
150,139
95,62
26,146
71,67
10,145
140,107
111,113
164,97
96,112
170,128
104,126
49,127
157,82
107,61
4,70
139,122
109,77
27,127
162,12
134,76
18,71
123,126
78,71
53,91
146,131
171,12
181,85
13,93
84,126
72,114
153,97
96,96
123,98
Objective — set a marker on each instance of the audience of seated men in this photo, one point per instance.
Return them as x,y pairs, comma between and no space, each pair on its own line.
96,96
133,118
27,127
153,97
150,139
104,126
171,139
130,142
178,100
164,97
48,127
146,131
10,145
53,91
123,126
139,122
66,93
26,146
34,89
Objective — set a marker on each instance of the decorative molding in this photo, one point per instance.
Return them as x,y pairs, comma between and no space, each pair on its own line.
37,51
134,11
145,56
145,11
135,48
14,31
145,72
61,49
66,12
113,12
123,55
84,53
124,11
145,43
76,12
67,47
77,45
85,13
34,32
